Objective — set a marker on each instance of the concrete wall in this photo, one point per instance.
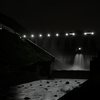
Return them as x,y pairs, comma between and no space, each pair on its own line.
64,47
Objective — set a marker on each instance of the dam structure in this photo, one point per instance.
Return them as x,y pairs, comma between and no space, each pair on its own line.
73,49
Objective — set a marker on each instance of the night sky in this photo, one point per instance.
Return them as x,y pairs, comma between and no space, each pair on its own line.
54,15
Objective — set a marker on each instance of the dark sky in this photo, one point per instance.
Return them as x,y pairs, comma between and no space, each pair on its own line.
54,15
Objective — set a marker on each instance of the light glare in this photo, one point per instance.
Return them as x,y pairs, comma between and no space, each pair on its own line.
32,35
79,48
24,36
88,33
73,33
40,35
48,35
57,34
66,34
84,33
92,33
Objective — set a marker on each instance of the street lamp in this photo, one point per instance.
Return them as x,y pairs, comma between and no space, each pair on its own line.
66,34
72,34
40,35
32,35
57,34
79,48
92,33
24,36
85,33
48,35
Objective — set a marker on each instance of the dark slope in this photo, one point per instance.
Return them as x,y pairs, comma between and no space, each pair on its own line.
15,50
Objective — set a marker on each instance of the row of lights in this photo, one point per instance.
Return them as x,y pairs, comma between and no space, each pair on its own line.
90,33
72,34
40,35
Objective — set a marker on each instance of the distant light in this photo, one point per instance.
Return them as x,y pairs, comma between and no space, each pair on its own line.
57,34
84,33
66,34
72,34
79,48
89,33
40,35
92,33
48,35
32,35
24,36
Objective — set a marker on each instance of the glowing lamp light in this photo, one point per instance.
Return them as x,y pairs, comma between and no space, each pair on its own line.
32,35
40,35
79,48
48,35
73,33
57,34
84,33
92,33
24,36
66,34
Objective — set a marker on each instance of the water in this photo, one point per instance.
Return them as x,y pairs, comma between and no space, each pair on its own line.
78,62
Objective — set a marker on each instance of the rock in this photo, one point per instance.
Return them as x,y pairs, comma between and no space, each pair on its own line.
67,82
67,91
30,84
45,88
75,80
55,95
22,86
47,82
26,98
78,82
40,84
25,87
